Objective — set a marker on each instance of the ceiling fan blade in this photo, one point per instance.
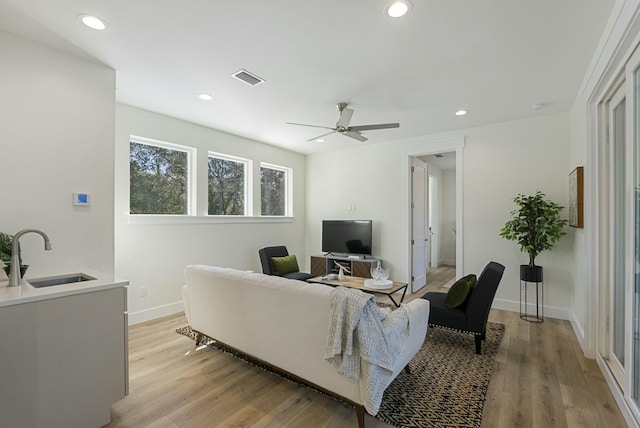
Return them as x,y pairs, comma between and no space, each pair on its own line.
355,135
312,126
371,127
345,118
320,136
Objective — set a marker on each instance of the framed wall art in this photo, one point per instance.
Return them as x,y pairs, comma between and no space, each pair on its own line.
576,198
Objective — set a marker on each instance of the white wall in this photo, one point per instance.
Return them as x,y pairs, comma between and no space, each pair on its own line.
153,255
500,161
579,158
57,118
369,179
447,235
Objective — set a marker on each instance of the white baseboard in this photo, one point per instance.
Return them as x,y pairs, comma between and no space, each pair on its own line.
617,393
549,311
447,262
157,312
579,332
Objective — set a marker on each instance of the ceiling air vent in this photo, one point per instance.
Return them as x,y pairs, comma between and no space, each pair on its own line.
248,78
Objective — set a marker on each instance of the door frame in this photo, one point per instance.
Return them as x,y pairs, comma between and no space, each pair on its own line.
424,147
622,38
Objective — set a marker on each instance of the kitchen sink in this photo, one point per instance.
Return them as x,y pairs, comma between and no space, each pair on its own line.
70,278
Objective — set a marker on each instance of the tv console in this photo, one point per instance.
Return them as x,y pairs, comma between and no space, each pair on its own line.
324,264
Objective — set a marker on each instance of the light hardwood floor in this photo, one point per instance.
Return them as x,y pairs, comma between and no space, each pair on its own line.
540,379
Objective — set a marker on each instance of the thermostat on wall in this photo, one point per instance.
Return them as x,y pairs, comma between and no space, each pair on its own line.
83,199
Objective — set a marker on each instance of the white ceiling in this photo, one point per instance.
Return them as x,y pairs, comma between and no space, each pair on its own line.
494,58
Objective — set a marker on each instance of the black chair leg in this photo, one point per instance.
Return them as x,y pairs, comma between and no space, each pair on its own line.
478,343
484,335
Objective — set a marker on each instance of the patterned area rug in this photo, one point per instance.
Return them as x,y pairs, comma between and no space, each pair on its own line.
447,385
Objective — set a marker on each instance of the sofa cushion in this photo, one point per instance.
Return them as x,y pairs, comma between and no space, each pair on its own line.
284,265
440,314
300,276
460,291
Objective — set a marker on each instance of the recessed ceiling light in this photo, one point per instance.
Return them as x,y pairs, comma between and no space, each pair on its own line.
205,97
398,8
92,21
320,140
460,113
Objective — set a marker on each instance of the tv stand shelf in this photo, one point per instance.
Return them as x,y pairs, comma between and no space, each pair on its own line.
325,264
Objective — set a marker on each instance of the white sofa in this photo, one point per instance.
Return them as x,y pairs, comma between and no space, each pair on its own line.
283,322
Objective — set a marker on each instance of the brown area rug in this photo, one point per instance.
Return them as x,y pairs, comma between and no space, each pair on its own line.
447,385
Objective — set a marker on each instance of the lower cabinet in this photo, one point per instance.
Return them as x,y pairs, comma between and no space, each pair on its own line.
64,360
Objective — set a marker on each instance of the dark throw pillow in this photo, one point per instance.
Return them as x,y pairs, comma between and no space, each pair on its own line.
460,291
284,265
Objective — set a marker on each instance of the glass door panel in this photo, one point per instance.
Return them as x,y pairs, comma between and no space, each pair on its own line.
619,232
617,312
634,228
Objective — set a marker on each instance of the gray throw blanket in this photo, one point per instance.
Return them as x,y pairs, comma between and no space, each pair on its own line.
359,329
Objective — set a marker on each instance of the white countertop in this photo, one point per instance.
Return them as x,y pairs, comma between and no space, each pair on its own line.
26,293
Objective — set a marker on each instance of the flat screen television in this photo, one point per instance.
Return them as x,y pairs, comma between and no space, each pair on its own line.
347,236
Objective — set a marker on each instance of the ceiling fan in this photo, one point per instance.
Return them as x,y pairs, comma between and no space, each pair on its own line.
342,125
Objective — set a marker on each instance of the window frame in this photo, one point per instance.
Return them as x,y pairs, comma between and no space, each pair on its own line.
248,189
191,173
288,196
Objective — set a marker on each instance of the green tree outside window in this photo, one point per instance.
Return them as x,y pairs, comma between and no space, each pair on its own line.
273,191
226,187
158,180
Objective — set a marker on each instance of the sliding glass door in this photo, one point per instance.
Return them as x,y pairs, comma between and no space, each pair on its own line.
621,344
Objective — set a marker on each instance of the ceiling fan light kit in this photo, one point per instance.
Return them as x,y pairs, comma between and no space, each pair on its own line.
342,126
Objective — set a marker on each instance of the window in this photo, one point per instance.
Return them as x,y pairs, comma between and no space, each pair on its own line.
228,185
158,177
274,190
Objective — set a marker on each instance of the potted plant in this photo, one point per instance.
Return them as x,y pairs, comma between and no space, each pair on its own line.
6,241
536,225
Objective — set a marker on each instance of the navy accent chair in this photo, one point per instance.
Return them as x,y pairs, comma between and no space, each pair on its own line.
471,316
279,251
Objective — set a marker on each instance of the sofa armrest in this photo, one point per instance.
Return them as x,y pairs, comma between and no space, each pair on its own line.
185,303
418,320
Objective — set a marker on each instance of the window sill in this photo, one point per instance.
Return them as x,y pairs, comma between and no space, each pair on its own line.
203,219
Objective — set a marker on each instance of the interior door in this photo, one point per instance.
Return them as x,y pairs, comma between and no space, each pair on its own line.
419,220
433,226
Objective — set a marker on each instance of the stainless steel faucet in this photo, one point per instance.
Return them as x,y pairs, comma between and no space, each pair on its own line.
14,272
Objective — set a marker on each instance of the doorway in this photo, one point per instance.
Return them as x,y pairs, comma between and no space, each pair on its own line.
454,228
442,207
